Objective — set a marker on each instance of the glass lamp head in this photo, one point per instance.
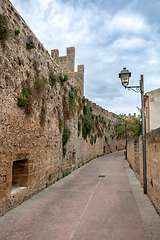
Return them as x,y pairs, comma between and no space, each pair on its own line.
124,75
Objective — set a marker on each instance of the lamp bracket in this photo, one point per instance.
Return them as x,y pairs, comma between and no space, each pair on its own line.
136,89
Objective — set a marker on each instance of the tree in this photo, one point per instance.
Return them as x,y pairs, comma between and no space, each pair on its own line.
133,128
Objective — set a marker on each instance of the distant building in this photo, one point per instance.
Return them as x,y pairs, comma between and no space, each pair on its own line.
152,110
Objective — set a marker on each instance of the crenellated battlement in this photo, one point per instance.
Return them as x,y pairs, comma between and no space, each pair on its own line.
130,116
109,115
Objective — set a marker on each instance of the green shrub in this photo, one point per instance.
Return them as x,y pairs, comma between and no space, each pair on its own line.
90,108
83,99
17,32
87,110
71,96
84,110
66,135
65,138
29,94
104,122
87,126
25,99
4,29
22,101
65,77
50,177
92,116
26,91
29,46
79,126
109,126
64,151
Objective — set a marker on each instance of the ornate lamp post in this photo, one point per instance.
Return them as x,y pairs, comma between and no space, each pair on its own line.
124,75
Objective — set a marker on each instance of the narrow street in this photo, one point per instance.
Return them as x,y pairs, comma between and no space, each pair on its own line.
102,200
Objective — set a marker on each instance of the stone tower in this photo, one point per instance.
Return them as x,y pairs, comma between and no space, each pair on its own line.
67,64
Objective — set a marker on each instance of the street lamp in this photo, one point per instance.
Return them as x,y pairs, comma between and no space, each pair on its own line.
124,75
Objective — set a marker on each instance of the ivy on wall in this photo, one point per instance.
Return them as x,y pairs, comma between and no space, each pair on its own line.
90,126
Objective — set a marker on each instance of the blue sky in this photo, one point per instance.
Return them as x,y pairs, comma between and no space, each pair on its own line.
108,35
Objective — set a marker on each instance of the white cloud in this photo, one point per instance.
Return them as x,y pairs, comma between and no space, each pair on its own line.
126,22
133,43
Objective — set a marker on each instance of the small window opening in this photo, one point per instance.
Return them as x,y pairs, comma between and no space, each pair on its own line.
20,173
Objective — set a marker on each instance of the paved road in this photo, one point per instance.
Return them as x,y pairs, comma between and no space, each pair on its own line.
95,202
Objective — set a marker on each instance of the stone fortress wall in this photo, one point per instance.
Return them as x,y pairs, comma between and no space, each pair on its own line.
31,156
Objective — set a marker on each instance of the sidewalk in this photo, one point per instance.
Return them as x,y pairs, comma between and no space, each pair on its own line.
102,200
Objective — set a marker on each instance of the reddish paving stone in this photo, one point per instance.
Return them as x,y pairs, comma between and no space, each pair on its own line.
84,207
